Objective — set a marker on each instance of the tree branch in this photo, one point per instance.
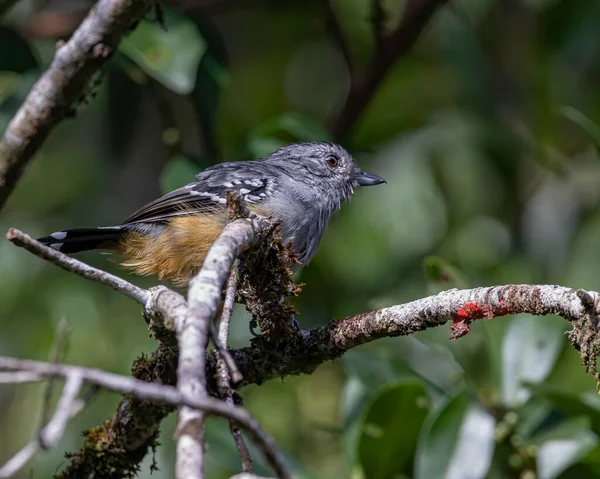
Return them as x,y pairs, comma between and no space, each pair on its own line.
64,84
67,407
133,429
193,332
304,353
75,266
225,372
149,391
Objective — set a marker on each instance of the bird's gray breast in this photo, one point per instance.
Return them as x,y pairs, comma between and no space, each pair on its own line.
303,222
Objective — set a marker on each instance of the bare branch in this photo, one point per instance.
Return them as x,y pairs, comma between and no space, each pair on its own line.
204,296
59,347
228,304
67,403
54,95
224,373
18,377
136,422
302,354
231,370
153,392
67,407
75,266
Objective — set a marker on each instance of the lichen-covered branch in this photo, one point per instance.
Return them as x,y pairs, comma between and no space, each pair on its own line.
56,93
204,296
160,393
116,448
302,354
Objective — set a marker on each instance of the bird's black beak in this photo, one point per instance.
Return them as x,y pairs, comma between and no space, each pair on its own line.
368,179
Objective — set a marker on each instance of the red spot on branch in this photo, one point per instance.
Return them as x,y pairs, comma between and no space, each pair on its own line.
471,311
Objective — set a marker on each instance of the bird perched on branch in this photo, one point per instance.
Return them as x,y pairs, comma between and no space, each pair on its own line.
302,184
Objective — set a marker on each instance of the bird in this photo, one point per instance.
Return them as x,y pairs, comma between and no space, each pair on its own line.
301,184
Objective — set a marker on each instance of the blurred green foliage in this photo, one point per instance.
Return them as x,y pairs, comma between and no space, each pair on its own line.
488,134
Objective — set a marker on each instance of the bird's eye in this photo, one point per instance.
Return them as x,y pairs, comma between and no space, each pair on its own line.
332,161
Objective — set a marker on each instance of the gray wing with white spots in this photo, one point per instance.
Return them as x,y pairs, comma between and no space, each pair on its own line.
208,194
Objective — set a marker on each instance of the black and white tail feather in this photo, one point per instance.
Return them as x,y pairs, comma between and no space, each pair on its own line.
84,239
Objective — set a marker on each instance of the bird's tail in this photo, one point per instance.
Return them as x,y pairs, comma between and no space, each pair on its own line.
84,239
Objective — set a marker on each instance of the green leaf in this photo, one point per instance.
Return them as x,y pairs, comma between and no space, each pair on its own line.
573,405
171,57
583,122
530,349
564,446
373,367
390,429
457,442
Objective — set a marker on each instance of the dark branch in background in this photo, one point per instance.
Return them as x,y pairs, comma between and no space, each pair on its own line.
389,47
378,19
64,84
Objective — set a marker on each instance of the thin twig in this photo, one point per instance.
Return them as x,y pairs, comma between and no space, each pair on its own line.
158,393
223,373
67,403
228,303
67,407
232,370
75,266
18,377
56,356
220,338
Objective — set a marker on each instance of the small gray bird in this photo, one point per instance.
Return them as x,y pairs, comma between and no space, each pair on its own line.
302,184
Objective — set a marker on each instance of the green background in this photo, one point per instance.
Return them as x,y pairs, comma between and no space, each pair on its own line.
488,134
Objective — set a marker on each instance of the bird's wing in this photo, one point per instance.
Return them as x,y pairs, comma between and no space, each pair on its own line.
209,193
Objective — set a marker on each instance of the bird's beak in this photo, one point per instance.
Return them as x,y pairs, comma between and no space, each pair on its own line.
368,179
